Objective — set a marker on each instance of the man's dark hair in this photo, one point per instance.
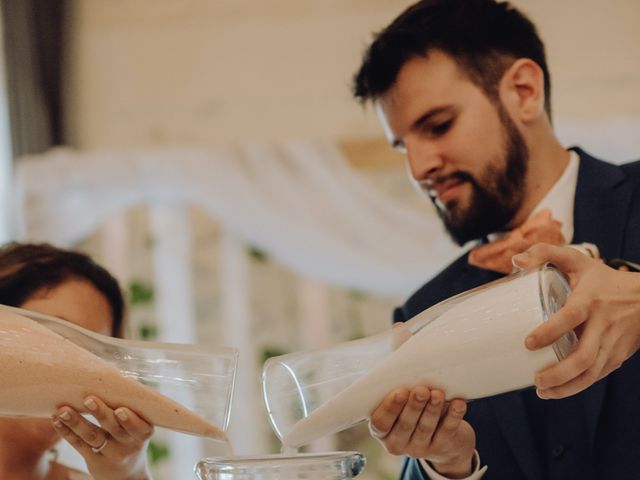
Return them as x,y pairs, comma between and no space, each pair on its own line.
484,37
26,269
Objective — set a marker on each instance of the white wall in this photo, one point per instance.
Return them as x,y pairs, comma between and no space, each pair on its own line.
197,71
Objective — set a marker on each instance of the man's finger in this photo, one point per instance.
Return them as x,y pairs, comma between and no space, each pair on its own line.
429,420
618,355
572,314
408,420
579,361
579,383
385,415
451,421
566,259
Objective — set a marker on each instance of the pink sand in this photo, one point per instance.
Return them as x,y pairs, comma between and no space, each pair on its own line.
41,371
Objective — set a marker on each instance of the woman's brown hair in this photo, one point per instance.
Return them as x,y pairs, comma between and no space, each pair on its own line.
27,268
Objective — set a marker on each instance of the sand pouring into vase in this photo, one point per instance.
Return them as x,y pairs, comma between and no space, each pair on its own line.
470,346
46,362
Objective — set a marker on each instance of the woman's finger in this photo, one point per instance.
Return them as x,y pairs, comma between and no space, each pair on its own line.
133,424
74,440
91,434
107,420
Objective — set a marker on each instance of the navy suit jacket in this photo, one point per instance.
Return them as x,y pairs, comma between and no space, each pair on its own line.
592,435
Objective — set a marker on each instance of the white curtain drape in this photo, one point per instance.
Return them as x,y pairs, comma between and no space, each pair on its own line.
301,203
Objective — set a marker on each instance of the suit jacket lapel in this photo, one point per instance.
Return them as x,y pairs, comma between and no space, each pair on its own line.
600,211
601,204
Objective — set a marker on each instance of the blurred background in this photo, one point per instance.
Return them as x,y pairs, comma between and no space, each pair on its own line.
210,155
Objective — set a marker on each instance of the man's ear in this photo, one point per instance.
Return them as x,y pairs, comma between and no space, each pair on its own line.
522,90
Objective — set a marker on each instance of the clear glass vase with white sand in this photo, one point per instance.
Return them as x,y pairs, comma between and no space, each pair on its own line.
46,362
470,345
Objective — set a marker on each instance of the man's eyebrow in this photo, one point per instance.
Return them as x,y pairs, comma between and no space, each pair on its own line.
398,144
430,114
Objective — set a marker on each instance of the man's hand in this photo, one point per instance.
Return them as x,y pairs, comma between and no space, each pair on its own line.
604,311
419,423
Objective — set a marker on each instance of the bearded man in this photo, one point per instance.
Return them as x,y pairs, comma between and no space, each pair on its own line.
462,88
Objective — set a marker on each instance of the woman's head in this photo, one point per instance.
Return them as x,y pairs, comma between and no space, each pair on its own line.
58,282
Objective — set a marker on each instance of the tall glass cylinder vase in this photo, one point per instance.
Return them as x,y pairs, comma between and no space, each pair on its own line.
471,346
46,362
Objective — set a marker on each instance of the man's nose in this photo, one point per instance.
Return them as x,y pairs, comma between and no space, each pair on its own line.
423,158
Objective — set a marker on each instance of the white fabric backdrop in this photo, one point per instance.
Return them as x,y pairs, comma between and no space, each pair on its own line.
301,203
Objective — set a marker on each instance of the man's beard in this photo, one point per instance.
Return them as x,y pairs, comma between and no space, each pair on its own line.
495,198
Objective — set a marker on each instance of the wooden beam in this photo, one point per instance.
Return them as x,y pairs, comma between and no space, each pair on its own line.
371,154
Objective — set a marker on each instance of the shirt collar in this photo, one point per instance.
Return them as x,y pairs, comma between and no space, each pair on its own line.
559,199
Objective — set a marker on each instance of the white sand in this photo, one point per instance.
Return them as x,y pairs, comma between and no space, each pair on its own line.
475,349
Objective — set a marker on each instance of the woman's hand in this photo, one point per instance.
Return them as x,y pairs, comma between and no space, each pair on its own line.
115,450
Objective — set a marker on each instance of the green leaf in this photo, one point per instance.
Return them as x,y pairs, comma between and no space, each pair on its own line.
140,293
148,332
257,254
269,352
157,452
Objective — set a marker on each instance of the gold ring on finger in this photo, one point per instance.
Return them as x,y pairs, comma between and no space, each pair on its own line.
100,447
